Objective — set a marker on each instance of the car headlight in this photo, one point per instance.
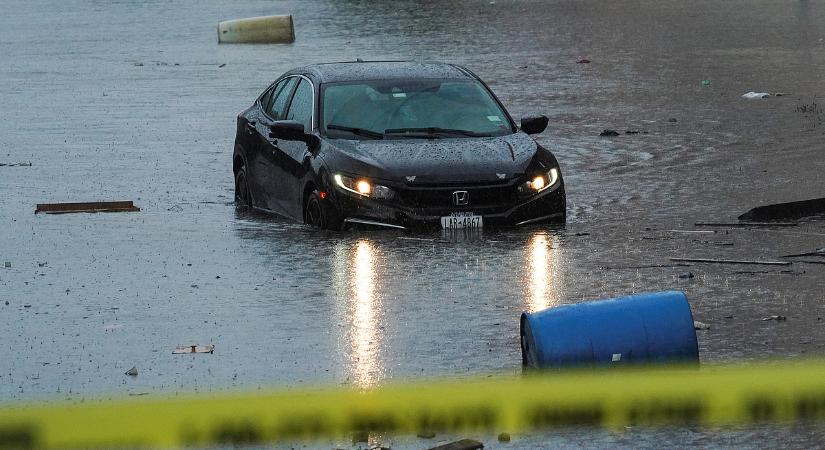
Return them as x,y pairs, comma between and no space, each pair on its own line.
363,187
540,182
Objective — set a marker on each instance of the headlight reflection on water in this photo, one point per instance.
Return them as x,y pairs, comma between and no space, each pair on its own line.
355,283
543,274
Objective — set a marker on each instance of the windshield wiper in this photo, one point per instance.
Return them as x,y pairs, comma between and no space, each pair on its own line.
358,131
430,131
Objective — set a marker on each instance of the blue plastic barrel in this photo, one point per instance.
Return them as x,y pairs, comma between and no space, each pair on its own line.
637,329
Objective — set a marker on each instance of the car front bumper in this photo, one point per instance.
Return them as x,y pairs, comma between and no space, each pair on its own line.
546,207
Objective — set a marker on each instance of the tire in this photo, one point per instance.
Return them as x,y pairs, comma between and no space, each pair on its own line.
320,214
242,195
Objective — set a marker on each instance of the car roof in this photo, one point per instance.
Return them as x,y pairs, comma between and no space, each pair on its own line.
380,70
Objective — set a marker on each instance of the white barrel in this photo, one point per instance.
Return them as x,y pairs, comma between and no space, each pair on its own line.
260,30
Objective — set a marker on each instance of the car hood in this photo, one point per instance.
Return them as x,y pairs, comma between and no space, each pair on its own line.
437,160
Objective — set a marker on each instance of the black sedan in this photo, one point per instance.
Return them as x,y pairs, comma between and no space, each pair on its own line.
393,144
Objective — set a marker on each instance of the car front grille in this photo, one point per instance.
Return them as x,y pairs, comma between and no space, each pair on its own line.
442,197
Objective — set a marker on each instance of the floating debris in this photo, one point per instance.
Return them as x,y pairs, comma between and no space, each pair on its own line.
777,318
746,224
180,350
700,325
817,252
731,261
608,132
686,275
755,95
464,444
786,211
86,207
18,164
504,437
132,372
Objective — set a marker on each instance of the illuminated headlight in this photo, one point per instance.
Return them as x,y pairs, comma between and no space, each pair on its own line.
363,187
541,182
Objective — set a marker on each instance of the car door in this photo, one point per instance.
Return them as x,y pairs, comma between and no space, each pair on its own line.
267,170
252,147
294,153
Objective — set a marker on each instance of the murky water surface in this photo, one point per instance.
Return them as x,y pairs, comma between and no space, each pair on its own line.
135,100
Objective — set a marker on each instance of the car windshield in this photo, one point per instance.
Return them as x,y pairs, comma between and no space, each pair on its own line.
397,109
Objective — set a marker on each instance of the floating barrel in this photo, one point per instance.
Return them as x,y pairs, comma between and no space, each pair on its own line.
637,329
257,30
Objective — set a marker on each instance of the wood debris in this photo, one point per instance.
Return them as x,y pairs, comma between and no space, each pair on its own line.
86,207
731,261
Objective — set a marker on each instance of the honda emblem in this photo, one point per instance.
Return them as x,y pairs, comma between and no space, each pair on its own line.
461,198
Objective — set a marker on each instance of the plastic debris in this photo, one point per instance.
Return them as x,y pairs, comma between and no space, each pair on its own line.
700,325
705,82
132,372
672,120
608,132
504,437
18,164
777,318
261,30
686,275
7,265
183,349
754,95
583,61
426,434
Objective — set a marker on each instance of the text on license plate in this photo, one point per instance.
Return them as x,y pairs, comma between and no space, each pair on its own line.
462,220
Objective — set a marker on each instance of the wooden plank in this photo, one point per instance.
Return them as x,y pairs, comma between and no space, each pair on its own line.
746,224
464,444
86,207
731,261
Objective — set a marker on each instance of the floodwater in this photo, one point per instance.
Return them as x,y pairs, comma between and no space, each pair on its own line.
135,100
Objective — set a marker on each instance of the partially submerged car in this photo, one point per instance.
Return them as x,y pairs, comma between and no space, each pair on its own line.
393,144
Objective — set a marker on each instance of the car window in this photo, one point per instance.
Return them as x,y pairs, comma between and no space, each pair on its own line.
267,97
277,105
301,107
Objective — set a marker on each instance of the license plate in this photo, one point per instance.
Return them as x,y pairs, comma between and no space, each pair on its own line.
461,220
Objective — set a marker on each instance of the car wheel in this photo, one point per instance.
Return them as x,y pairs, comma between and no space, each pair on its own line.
318,214
242,197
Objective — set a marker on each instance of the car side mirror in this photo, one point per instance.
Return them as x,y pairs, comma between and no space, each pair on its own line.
288,130
534,124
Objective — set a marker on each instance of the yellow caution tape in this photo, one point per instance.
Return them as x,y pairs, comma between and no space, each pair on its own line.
779,393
